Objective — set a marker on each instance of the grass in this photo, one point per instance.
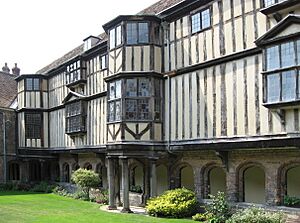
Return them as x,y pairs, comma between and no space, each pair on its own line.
23,207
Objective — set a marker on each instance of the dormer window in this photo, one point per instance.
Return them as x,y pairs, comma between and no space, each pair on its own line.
90,42
76,73
115,37
137,32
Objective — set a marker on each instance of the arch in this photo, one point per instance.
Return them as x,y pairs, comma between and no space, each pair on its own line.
101,170
162,179
186,176
66,173
75,167
214,179
56,172
136,180
289,180
88,166
35,171
252,183
13,171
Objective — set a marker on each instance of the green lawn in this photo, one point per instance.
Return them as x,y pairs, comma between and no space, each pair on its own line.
30,207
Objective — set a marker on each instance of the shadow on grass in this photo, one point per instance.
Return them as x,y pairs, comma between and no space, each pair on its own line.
14,193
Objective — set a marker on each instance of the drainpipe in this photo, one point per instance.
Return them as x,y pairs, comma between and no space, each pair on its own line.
4,150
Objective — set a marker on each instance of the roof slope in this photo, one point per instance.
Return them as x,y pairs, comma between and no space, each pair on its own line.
8,89
153,9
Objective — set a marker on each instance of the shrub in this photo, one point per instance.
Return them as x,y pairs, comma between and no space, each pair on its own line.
291,201
86,179
219,208
59,190
6,187
136,189
102,197
256,215
43,187
203,217
176,203
80,195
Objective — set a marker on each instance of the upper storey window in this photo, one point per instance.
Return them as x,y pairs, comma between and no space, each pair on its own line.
268,3
33,125
201,20
76,72
115,37
137,32
75,118
32,84
282,72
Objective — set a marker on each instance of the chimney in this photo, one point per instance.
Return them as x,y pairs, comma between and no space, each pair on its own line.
6,68
16,70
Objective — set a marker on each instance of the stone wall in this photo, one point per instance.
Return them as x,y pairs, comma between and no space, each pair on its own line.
7,127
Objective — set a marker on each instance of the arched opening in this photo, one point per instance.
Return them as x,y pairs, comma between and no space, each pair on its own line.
88,166
293,182
162,179
217,180
187,177
14,171
56,173
137,179
35,171
254,185
75,167
101,170
66,173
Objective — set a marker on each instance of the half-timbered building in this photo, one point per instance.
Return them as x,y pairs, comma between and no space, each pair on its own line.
196,94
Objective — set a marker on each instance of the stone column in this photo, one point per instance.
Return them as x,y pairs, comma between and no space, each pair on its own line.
153,180
232,185
111,185
24,171
125,185
272,185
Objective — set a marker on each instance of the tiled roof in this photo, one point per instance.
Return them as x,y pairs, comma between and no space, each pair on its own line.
153,9
8,89
159,6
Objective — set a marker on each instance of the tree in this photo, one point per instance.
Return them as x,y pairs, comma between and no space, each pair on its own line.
86,179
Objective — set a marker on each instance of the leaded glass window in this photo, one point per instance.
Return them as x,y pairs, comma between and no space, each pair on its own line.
288,85
273,87
32,84
137,32
33,125
115,37
75,117
201,20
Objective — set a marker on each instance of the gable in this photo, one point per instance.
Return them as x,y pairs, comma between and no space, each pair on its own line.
288,27
72,96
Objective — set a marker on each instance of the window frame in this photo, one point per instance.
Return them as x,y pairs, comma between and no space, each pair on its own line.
77,68
33,130
137,29
116,37
200,11
281,71
81,115
275,2
32,80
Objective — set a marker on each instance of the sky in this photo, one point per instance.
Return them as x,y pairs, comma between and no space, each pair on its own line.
36,32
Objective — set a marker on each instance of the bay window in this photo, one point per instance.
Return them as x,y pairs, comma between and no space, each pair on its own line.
75,117
76,71
115,37
114,101
33,125
32,84
137,32
282,72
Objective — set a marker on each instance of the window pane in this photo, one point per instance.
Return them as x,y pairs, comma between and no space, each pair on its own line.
112,91
112,39
131,33
273,88
118,111
131,87
143,108
269,2
287,54
272,58
118,89
103,62
196,23
36,84
131,109
156,88
144,87
157,109
33,123
288,85
143,33
298,51
29,86
119,35
205,18
111,116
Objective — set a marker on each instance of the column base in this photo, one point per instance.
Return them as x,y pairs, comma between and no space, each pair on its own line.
126,210
112,207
